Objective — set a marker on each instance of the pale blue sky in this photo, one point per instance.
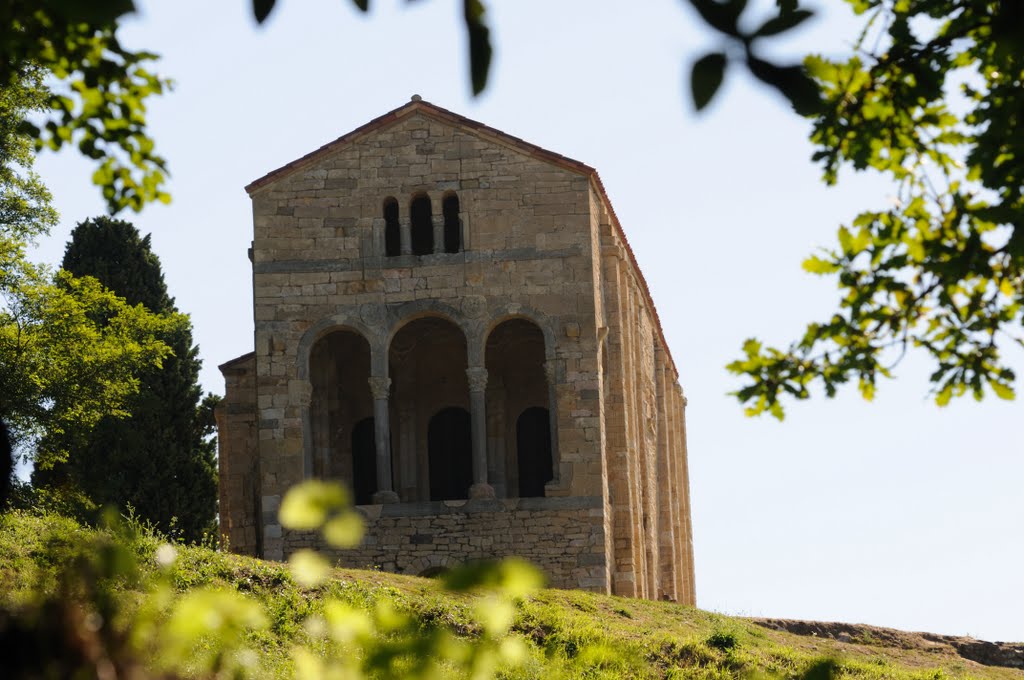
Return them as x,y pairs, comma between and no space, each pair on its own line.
893,513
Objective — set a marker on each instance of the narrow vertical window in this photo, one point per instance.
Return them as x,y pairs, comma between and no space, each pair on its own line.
392,232
452,228
422,225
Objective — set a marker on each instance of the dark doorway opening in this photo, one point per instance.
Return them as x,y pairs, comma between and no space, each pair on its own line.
533,451
450,454
364,462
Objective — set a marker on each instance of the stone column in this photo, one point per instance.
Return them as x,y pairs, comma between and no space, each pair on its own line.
549,375
380,387
405,236
301,394
437,221
497,460
377,237
477,376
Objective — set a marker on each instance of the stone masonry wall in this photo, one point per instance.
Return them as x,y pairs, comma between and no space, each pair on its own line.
318,264
564,537
237,457
647,497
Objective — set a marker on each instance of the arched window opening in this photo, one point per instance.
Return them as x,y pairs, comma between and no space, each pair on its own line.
392,231
514,359
452,228
339,370
364,462
450,454
421,216
427,361
533,451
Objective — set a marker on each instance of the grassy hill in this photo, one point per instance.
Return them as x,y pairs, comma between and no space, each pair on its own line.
564,633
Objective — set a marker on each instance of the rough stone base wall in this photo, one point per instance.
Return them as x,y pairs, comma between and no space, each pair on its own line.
564,537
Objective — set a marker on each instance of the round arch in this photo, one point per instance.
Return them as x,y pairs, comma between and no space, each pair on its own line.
515,311
519,358
323,328
338,364
426,365
406,313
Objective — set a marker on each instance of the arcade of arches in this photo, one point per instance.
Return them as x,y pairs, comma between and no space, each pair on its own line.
434,428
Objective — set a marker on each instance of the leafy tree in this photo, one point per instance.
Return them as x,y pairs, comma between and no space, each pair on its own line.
25,210
933,97
99,99
60,370
159,458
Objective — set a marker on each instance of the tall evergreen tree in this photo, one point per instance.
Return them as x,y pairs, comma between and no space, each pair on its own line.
159,460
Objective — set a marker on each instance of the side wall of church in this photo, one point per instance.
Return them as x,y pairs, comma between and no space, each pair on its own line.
647,501
237,458
319,264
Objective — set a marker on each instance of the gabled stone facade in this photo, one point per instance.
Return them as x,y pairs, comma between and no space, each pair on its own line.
450,320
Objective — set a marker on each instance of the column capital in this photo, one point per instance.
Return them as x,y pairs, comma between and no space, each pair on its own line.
549,371
380,387
477,376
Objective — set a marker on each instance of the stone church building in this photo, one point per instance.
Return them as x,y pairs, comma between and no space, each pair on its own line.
449,320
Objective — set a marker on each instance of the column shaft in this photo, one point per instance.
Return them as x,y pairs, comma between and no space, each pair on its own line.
556,463
478,423
380,388
405,236
437,222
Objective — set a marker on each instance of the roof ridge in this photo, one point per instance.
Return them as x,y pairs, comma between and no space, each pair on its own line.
417,104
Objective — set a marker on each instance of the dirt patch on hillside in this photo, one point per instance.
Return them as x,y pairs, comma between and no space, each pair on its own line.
1002,654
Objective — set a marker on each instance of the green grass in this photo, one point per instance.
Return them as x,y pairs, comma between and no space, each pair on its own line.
569,634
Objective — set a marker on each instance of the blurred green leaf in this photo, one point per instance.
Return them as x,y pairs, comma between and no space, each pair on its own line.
723,16
791,81
1003,391
261,9
306,506
513,577
480,51
346,623
816,265
308,567
706,77
344,530
787,20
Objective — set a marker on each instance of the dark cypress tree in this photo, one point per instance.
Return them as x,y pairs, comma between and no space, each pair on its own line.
160,459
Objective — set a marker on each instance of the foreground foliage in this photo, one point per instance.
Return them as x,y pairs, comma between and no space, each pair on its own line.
98,102
932,97
172,610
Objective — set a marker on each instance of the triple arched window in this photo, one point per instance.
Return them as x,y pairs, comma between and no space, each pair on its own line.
423,233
